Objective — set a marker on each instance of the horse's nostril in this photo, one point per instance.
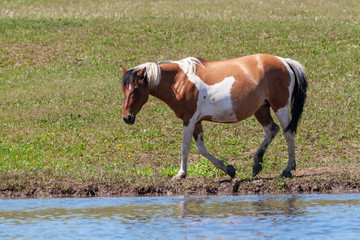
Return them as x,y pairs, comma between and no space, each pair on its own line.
129,119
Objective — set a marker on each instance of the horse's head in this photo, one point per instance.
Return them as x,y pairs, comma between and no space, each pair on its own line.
136,92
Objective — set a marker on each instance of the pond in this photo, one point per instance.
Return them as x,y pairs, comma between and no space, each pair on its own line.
194,217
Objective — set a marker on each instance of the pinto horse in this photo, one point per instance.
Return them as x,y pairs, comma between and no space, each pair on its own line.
224,91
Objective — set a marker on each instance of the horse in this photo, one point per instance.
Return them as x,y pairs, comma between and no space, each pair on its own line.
225,91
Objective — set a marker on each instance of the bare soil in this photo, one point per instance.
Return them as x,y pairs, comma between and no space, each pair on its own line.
319,180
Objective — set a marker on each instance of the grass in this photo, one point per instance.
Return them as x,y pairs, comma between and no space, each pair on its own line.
61,99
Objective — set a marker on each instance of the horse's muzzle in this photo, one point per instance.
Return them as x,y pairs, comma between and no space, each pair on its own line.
129,119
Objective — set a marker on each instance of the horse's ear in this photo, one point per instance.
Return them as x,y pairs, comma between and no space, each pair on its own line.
142,76
123,69
141,73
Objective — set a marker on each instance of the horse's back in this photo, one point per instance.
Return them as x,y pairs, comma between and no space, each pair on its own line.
247,70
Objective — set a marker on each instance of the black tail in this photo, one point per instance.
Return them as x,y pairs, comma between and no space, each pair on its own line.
299,94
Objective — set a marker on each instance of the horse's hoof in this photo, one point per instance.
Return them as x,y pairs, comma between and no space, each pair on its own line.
178,177
286,174
256,170
230,170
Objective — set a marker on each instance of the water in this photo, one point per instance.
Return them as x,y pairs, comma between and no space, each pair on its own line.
210,217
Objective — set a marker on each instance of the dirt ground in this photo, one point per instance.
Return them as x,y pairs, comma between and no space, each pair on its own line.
320,180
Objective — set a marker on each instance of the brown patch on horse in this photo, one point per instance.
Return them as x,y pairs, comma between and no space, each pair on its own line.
263,114
248,93
277,82
180,94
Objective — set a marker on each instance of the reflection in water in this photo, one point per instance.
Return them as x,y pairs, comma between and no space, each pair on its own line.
215,207
263,206
308,216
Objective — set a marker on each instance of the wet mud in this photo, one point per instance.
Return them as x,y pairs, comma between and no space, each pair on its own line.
303,182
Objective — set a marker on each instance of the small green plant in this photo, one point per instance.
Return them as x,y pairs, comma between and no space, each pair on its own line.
169,171
281,185
204,168
143,171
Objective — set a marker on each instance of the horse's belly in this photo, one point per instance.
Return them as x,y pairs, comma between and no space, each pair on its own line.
224,115
218,108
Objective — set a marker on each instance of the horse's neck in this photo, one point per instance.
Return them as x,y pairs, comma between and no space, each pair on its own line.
166,84
170,87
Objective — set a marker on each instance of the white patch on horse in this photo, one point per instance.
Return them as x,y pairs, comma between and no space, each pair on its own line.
213,100
283,115
292,78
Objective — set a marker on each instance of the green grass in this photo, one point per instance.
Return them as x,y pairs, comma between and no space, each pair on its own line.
61,99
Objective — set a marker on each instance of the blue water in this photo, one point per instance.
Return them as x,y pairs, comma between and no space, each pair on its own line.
210,217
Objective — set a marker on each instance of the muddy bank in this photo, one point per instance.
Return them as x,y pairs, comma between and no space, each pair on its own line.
304,181
201,187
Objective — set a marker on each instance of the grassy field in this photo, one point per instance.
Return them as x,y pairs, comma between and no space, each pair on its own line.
61,98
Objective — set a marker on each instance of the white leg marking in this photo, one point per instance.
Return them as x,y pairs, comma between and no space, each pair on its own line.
284,119
283,115
185,148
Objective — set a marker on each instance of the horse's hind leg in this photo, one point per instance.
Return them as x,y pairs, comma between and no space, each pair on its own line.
199,139
271,129
284,118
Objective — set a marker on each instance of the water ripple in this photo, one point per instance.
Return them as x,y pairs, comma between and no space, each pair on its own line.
210,217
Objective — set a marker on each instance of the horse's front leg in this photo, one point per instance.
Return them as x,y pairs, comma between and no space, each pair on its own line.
185,148
199,139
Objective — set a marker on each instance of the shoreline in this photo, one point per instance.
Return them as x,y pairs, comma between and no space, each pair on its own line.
320,181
